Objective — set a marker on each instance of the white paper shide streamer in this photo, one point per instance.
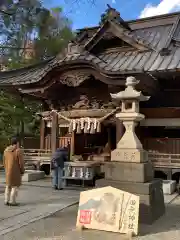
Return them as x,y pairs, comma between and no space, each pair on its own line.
86,125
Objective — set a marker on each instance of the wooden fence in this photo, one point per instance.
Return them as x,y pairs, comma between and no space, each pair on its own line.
164,160
162,152
37,157
162,145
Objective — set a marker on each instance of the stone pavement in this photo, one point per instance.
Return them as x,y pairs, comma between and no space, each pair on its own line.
37,202
46,214
61,226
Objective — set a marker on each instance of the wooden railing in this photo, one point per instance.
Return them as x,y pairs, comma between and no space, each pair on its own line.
37,156
165,160
162,145
43,156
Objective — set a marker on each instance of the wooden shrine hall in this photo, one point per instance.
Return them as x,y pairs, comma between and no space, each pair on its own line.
75,86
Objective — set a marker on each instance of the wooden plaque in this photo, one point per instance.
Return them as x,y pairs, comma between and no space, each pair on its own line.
108,209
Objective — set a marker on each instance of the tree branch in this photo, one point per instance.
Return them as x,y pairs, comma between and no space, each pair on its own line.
17,48
4,12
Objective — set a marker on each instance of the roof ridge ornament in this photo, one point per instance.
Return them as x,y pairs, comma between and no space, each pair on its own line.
111,14
71,49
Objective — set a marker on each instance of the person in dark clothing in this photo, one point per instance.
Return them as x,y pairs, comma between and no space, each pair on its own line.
57,165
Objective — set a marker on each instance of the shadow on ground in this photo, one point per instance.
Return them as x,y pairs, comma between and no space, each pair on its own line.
170,221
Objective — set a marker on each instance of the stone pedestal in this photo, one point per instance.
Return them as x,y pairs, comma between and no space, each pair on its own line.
130,172
137,178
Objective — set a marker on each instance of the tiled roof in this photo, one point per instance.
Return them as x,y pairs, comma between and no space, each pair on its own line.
26,75
109,63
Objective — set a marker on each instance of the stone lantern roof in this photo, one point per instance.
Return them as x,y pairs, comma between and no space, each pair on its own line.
130,92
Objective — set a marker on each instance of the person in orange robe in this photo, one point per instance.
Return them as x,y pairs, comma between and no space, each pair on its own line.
14,169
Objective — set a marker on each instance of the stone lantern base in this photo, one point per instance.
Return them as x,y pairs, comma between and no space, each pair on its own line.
137,178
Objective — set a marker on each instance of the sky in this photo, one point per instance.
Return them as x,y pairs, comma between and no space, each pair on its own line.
85,14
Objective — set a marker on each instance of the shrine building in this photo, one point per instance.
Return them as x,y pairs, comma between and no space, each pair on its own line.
75,88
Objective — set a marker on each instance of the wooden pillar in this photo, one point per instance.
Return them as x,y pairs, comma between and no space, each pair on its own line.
119,130
73,143
42,134
54,132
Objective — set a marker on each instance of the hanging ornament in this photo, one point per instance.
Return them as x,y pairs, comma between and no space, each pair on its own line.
71,127
82,122
74,124
89,124
98,127
86,128
92,130
78,127
95,123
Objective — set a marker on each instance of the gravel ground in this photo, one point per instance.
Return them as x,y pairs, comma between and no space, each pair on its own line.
61,226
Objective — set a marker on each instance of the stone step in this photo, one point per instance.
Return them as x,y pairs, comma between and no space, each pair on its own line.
27,167
32,175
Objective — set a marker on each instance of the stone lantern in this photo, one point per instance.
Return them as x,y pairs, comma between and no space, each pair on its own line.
129,148
129,169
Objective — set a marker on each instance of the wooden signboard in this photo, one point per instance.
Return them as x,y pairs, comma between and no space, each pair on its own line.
108,209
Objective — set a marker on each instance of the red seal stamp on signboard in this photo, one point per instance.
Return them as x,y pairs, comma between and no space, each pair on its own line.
85,216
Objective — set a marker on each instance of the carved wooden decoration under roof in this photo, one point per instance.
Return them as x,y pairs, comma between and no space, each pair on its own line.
74,78
83,103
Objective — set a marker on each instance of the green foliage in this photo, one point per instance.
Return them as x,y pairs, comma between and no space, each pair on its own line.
47,32
17,116
32,26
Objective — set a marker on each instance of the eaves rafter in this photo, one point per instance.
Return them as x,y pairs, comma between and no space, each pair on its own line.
96,37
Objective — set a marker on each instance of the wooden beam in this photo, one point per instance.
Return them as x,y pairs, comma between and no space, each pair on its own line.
161,112
119,32
96,37
161,122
